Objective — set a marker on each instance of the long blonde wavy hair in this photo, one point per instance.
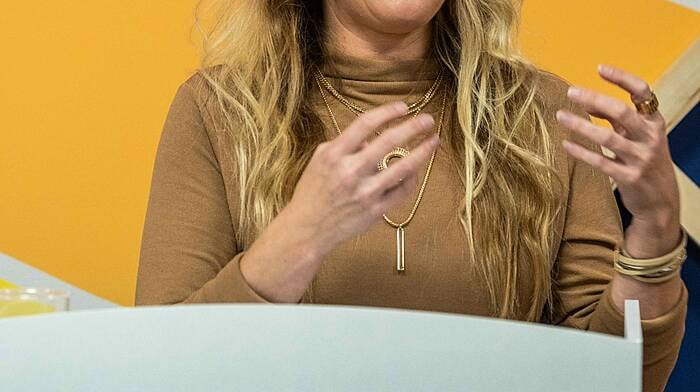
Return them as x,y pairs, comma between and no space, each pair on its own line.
257,57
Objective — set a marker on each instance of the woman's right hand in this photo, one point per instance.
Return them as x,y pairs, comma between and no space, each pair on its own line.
341,193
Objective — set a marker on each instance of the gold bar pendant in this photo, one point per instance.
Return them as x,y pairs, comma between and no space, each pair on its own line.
400,238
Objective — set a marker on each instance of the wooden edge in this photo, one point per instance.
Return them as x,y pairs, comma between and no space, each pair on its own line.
678,89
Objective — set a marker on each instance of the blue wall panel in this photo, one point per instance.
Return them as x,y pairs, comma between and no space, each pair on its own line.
684,146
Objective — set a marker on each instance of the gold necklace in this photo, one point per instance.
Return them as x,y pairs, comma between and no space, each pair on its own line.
414,108
400,231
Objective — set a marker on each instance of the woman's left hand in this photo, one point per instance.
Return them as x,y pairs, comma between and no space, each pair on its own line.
642,167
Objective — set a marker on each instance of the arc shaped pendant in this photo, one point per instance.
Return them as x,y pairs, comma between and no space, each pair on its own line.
396,153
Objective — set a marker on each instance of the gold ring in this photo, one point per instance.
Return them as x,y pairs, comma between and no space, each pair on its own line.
648,106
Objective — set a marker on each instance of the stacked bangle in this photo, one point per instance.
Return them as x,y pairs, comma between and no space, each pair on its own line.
655,270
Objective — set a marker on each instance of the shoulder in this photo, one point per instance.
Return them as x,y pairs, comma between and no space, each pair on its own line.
195,100
197,89
185,103
189,120
551,90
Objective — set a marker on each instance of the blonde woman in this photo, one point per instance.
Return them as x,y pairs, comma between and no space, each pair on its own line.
401,154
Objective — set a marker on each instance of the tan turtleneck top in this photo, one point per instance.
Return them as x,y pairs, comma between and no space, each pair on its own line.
189,253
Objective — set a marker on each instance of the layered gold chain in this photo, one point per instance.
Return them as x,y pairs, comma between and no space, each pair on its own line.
427,172
426,98
414,107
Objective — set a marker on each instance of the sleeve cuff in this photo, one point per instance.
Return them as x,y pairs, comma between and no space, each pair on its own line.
612,319
233,286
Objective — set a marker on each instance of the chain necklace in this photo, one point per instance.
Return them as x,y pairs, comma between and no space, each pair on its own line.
414,110
415,107
399,226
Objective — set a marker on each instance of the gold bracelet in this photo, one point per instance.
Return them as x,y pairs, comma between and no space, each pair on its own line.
658,279
654,270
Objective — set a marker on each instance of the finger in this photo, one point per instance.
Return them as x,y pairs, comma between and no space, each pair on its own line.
352,137
607,137
611,109
393,137
405,167
606,165
639,89
393,196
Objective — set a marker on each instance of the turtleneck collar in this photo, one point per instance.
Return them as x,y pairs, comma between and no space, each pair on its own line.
370,82
338,64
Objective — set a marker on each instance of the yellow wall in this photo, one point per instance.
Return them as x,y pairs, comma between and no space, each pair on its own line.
644,37
85,87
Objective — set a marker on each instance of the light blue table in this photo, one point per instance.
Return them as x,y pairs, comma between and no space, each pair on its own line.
24,275
266,347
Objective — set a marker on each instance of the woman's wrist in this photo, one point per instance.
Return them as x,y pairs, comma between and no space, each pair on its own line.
284,259
315,241
649,238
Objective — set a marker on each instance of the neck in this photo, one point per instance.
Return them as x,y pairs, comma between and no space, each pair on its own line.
359,40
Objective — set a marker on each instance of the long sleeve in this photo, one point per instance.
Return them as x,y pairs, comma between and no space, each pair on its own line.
591,232
188,253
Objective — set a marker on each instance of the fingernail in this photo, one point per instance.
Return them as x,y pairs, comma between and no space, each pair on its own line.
401,107
562,115
434,140
574,92
426,120
604,69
